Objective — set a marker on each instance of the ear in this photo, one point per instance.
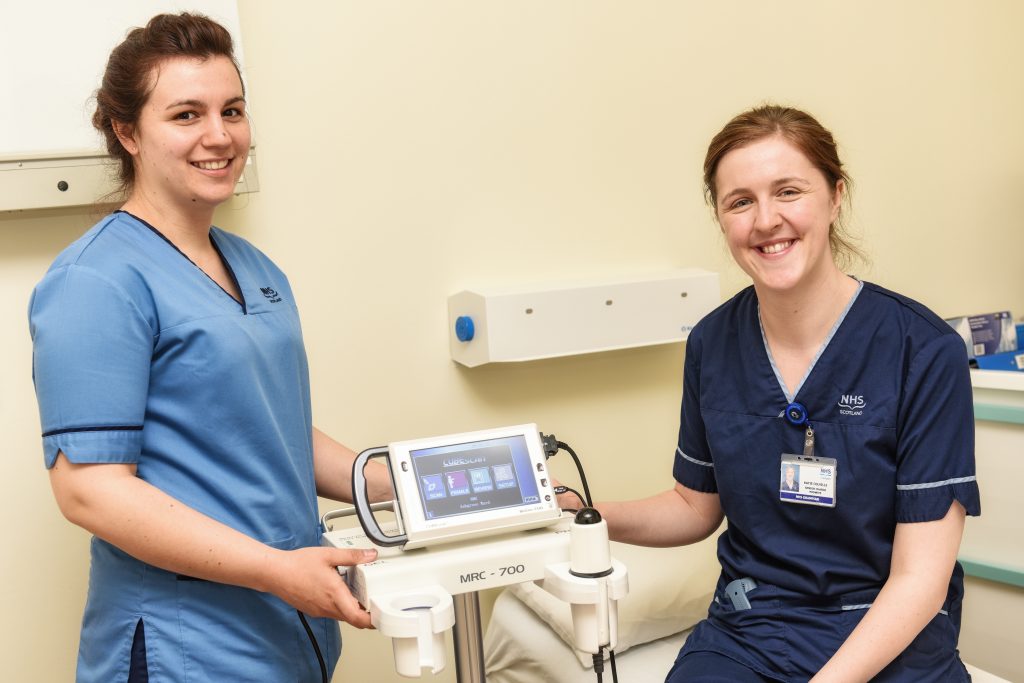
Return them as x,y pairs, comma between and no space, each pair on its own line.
125,133
837,199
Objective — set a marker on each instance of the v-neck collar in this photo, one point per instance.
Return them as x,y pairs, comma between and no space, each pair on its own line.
831,333
216,247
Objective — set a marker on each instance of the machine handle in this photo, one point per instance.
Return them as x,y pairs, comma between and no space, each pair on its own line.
362,502
338,513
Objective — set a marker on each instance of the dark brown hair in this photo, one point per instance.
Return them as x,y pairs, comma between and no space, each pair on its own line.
127,80
805,133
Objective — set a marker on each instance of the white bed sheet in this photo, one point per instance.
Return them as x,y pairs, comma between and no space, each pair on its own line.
520,648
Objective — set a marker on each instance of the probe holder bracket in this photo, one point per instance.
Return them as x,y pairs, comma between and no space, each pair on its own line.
594,603
416,622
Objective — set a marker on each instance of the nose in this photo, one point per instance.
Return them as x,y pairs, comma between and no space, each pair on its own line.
215,134
766,217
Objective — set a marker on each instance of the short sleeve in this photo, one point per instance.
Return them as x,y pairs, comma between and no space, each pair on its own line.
693,466
92,349
935,435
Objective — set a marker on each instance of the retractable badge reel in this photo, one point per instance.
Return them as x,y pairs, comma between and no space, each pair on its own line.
807,479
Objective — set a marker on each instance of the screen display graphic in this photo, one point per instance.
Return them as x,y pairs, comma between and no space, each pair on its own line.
471,477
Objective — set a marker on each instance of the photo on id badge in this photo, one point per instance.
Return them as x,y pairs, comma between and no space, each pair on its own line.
790,478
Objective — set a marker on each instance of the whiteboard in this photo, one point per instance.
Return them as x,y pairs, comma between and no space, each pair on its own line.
52,56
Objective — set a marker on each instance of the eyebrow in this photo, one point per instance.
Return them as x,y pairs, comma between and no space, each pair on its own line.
198,104
775,183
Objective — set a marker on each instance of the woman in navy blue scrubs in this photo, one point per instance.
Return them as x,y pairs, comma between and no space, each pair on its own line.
174,398
847,572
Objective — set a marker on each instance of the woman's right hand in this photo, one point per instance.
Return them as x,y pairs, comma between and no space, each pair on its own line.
308,580
113,503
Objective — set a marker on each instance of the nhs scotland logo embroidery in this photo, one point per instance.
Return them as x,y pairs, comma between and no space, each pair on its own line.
271,294
851,405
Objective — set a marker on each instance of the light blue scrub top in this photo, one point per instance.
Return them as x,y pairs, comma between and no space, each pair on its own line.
140,357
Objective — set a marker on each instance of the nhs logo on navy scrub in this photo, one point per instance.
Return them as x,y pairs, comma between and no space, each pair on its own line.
271,294
851,405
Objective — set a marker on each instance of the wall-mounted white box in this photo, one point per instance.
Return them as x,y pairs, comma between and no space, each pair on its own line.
44,181
546,321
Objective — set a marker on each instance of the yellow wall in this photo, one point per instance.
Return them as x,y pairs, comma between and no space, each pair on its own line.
410,150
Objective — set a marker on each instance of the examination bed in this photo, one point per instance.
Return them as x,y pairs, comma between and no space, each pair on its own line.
670,588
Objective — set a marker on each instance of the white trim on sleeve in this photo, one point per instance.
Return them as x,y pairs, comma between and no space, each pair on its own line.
933,484
694,460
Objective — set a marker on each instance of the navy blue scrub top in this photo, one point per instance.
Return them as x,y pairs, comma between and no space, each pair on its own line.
141,358
889,397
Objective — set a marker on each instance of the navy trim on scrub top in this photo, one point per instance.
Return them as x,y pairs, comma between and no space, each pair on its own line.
231,272
71,430
138,666
216,248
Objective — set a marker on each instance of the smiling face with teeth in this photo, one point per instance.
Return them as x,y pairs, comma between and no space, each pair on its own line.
192,137
775,209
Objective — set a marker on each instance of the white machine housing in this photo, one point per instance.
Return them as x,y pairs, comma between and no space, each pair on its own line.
461,486
409,594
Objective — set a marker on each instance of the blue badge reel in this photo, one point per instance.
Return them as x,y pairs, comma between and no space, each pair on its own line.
806,479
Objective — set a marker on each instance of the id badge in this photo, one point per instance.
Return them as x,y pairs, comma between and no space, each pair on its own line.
808,480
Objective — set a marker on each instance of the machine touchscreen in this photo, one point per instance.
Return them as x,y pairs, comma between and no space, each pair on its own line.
481,475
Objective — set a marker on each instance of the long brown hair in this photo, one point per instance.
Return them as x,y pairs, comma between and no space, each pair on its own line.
806,134
127,80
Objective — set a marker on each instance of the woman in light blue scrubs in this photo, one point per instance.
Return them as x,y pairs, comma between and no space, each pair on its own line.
174,398
847,572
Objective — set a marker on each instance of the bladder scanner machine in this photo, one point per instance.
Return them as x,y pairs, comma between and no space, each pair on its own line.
473,511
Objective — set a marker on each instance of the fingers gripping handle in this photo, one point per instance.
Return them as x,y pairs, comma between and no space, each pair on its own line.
362,503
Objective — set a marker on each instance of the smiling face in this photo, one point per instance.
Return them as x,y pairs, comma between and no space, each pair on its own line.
775,209
192,138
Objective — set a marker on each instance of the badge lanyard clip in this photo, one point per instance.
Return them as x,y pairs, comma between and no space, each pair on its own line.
809,442
796,415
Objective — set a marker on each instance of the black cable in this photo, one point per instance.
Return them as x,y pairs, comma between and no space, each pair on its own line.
316,647
549,450
559,490
579,466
